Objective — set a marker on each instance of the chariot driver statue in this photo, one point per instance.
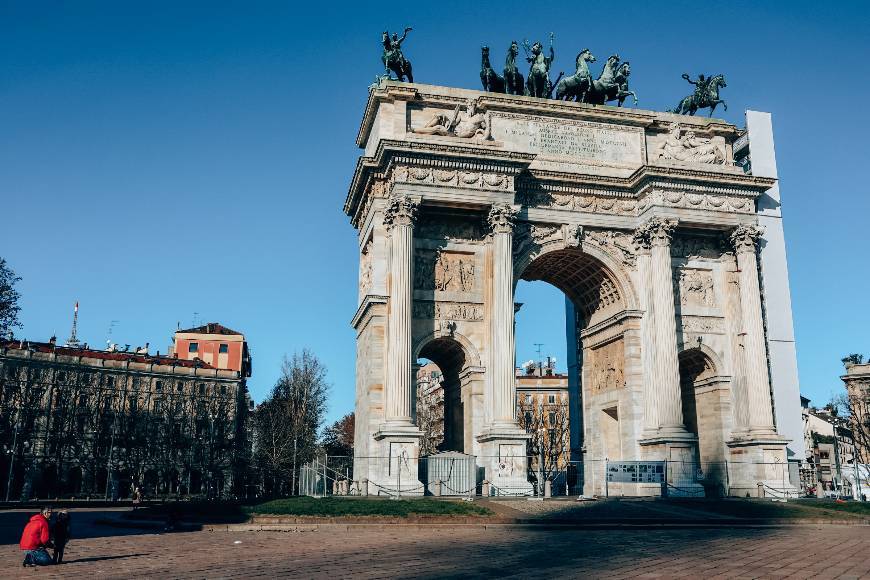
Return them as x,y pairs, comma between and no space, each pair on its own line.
393,58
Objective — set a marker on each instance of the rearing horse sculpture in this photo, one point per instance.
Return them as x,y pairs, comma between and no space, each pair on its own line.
620,91
576,85
706,96
597,92
513,78
491,81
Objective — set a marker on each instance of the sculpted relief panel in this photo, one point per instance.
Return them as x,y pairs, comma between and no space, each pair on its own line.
697,247
695,287
607,367
683,146
444,271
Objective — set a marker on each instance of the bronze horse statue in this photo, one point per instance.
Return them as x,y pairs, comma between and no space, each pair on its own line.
393,58
703,97
576,85
513,78
491,81
619,91
598,90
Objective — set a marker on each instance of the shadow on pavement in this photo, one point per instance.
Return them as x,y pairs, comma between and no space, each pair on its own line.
101,558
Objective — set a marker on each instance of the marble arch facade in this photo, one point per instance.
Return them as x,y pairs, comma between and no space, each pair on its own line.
631,213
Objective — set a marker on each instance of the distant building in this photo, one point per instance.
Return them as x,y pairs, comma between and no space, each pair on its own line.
857,381
215,345
77,421
829,445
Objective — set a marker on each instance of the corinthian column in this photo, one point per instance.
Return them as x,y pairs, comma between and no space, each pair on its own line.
664,367
503,375
399,219
757,383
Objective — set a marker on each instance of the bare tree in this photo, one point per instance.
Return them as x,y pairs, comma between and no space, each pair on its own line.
9,297
547,423
855,403
287,422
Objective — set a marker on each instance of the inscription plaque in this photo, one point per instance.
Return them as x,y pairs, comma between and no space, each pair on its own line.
571,139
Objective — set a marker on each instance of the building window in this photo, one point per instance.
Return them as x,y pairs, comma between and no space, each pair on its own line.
179,388
223,389
193,347
201,388
528,419
110,381
158,405
551,417
552,435
158,386
551,399
224,348
61,376
528,398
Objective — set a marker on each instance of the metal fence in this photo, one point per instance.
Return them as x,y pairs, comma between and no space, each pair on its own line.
457,474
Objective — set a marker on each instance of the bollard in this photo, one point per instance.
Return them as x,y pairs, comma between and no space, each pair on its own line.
484,488
436,489
548,488
760,489
365,487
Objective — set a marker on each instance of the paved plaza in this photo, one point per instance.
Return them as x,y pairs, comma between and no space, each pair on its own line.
454,551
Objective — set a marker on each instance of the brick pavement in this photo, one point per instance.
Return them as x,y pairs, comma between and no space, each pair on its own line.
394,552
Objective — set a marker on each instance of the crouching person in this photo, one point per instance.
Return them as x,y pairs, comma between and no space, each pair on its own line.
36,539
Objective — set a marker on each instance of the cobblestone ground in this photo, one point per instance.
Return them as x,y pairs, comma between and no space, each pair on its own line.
805,552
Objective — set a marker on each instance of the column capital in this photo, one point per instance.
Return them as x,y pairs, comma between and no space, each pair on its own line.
745,238
655,231
401,210
501,218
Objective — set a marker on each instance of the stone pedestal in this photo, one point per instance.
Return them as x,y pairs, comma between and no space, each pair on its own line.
505,462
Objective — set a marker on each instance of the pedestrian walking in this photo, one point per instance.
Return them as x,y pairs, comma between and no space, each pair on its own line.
60,534
137,497
36,538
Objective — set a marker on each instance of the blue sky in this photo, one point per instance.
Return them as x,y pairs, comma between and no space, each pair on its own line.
162,159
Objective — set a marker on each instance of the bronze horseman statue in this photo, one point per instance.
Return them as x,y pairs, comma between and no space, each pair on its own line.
706,95
393,58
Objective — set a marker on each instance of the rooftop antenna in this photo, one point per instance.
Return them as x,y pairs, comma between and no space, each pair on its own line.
540,360
112,325
73,340
195,319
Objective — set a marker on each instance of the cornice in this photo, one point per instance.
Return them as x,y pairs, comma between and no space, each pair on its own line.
368,302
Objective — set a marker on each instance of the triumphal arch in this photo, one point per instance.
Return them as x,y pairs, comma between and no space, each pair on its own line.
645,222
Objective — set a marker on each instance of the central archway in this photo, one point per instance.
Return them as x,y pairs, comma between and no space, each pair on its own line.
603,363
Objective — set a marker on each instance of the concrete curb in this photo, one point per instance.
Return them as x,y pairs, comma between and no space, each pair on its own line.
542,526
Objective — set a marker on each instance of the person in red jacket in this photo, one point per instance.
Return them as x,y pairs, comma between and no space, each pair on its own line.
36,538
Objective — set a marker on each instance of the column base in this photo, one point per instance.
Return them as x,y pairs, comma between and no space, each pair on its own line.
503,455
679,449
758,467
395,470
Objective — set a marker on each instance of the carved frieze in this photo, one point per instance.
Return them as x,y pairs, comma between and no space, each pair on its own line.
693,247
703,324
444,271
694,287
449,311
697,200
577,202
461,231
446,177
468,124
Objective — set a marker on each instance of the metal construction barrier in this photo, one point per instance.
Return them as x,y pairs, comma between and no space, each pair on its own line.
460,475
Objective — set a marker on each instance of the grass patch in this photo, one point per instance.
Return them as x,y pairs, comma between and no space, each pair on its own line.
794,508
337,507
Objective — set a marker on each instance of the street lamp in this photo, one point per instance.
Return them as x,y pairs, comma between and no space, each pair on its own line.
11,453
